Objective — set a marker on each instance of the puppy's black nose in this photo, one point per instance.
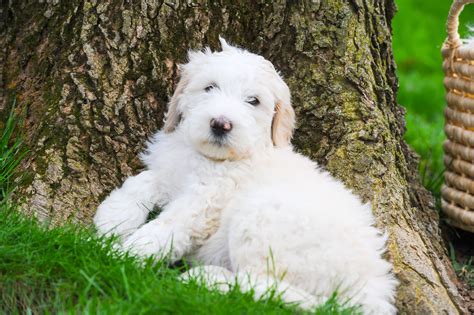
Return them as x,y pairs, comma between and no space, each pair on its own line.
220,126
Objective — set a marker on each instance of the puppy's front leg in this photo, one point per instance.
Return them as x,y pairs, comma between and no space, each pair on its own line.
182,225
127,207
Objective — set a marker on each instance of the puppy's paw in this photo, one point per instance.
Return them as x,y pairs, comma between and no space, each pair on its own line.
150,240
110,219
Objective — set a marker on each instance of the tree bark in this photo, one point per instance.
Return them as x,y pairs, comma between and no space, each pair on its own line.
92,79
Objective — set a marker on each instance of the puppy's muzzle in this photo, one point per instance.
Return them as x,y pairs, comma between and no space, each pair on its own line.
220,126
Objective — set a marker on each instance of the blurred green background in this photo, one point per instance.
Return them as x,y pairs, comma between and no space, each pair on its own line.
418,34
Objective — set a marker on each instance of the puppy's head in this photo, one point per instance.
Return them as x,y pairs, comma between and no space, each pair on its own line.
231,104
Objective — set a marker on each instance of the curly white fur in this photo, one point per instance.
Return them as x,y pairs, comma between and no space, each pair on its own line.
245,204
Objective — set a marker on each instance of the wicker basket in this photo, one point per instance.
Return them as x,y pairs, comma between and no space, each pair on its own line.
458,189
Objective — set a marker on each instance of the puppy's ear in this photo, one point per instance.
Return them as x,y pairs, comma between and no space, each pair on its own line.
173,115
283,124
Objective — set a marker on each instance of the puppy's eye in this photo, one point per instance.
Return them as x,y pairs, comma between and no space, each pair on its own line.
253,101
210,87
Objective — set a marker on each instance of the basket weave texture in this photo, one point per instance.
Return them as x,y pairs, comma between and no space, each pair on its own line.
458,190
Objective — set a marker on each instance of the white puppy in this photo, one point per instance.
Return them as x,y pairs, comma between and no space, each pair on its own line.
236,197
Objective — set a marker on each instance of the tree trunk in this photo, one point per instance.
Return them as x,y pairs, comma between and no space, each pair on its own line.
93,78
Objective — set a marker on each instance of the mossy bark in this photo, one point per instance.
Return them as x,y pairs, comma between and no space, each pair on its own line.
92,79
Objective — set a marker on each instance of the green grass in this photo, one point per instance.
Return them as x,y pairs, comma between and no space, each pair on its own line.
69,269
11,154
